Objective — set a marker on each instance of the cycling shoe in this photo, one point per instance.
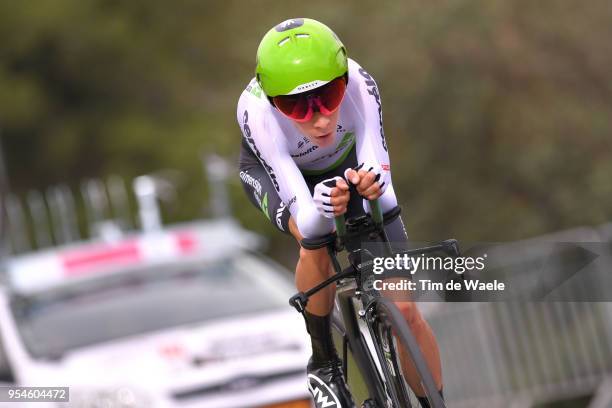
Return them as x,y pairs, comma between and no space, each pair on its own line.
327,386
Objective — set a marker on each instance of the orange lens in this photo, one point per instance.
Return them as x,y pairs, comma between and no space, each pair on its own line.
301,107
331,95
294,106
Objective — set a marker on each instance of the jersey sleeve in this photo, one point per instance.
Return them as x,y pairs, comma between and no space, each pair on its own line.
371,143
371,146
267,141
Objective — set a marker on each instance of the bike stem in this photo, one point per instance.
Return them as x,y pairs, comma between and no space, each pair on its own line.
378,218
300,300
376,214
376,211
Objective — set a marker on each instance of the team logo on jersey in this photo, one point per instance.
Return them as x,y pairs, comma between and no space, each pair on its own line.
289,24
322,395
246,129
281,209
279,216
251,181
264,205
254,88
303,142
306,152
373,90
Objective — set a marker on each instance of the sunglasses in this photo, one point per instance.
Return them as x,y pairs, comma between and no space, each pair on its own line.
325,99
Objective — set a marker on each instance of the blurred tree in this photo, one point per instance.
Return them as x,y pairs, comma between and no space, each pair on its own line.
497,112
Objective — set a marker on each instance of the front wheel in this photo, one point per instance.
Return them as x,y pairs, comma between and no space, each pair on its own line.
385,320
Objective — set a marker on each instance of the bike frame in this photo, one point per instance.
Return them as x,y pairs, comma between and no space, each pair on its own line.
356,305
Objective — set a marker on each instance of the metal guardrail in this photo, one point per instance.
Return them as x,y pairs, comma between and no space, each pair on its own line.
50,218
507,354
522,353
98,208
603,396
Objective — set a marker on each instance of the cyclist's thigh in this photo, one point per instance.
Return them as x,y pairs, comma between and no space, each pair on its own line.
261,191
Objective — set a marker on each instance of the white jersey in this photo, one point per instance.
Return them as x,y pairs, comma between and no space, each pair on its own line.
287,154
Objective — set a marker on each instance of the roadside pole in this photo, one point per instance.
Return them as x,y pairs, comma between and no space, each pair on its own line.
4,190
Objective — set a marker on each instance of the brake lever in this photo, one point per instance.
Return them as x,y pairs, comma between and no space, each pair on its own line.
299,302
451,247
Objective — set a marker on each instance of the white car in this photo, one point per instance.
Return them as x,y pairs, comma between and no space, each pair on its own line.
185,317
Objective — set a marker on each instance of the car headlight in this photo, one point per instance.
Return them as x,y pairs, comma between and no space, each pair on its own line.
120,397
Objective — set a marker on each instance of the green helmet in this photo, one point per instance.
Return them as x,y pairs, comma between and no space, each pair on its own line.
298,55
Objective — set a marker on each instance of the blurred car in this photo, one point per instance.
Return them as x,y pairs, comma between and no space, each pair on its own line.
183,317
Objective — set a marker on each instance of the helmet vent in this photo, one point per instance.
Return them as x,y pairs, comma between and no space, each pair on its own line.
283,41
304,35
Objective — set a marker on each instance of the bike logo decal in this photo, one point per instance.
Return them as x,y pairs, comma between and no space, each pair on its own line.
291,202
368,283
322,395
387,352
303,142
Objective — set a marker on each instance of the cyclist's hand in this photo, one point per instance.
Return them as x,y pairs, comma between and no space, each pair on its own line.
370,180
331,197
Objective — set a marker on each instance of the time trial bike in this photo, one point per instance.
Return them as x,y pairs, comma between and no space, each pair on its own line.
371,326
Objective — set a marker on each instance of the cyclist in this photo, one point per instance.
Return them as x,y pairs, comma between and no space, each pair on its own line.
311,119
